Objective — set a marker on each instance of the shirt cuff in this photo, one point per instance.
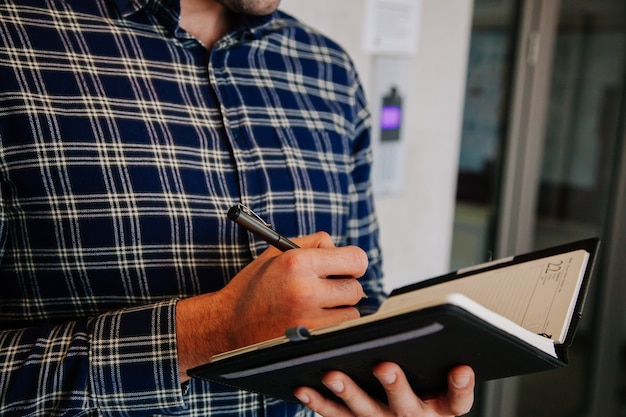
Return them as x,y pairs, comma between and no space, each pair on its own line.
134,365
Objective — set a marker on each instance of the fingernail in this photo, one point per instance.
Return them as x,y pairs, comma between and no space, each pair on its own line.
303,398
461,380
387,379
335,386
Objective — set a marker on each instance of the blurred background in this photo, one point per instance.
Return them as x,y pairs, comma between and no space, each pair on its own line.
513,139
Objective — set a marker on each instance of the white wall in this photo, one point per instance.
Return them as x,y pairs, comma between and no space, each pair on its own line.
416,225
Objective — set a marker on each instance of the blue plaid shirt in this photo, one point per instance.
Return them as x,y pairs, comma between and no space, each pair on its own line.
123,142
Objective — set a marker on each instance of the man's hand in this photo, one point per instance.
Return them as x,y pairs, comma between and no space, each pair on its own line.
457,400
275,291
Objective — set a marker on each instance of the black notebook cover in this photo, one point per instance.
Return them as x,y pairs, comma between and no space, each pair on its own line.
426,343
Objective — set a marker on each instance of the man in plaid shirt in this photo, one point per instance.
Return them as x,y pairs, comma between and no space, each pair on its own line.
127,130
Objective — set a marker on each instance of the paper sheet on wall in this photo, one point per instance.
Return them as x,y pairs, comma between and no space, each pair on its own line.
392,26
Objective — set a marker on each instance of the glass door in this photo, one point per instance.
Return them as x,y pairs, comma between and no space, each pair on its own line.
578,190
557,172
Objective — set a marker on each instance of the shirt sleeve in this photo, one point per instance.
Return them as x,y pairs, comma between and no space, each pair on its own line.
123,361
363,229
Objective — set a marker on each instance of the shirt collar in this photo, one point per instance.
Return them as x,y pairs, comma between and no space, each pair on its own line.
247,26
250,27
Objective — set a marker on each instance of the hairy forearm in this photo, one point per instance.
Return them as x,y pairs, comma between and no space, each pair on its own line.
199,334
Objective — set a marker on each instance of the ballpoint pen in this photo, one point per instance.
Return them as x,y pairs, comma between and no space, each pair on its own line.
247,218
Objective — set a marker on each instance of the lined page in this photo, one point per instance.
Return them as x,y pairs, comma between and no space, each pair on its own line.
538,295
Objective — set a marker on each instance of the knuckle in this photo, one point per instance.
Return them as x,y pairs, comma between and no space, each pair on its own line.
322,236
350,313
352,289
321,239
290,261
359,259
358,291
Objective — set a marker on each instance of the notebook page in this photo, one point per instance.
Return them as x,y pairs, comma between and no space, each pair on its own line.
538,295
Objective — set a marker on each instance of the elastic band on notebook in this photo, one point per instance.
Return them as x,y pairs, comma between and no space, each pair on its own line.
297,333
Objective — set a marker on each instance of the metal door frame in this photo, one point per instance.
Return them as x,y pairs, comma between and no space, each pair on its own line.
524,142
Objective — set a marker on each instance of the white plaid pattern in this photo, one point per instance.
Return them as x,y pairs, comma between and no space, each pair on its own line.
123,143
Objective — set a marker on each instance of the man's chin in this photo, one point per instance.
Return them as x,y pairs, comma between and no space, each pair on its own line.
251,7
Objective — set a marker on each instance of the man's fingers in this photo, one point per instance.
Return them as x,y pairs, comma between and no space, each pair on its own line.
347,261
401,400
327,259
359,402
460,395
321,405
400,395
315,240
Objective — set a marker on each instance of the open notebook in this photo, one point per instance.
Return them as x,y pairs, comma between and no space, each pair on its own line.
508,317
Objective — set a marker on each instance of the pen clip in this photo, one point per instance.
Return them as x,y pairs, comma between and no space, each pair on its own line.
251,212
